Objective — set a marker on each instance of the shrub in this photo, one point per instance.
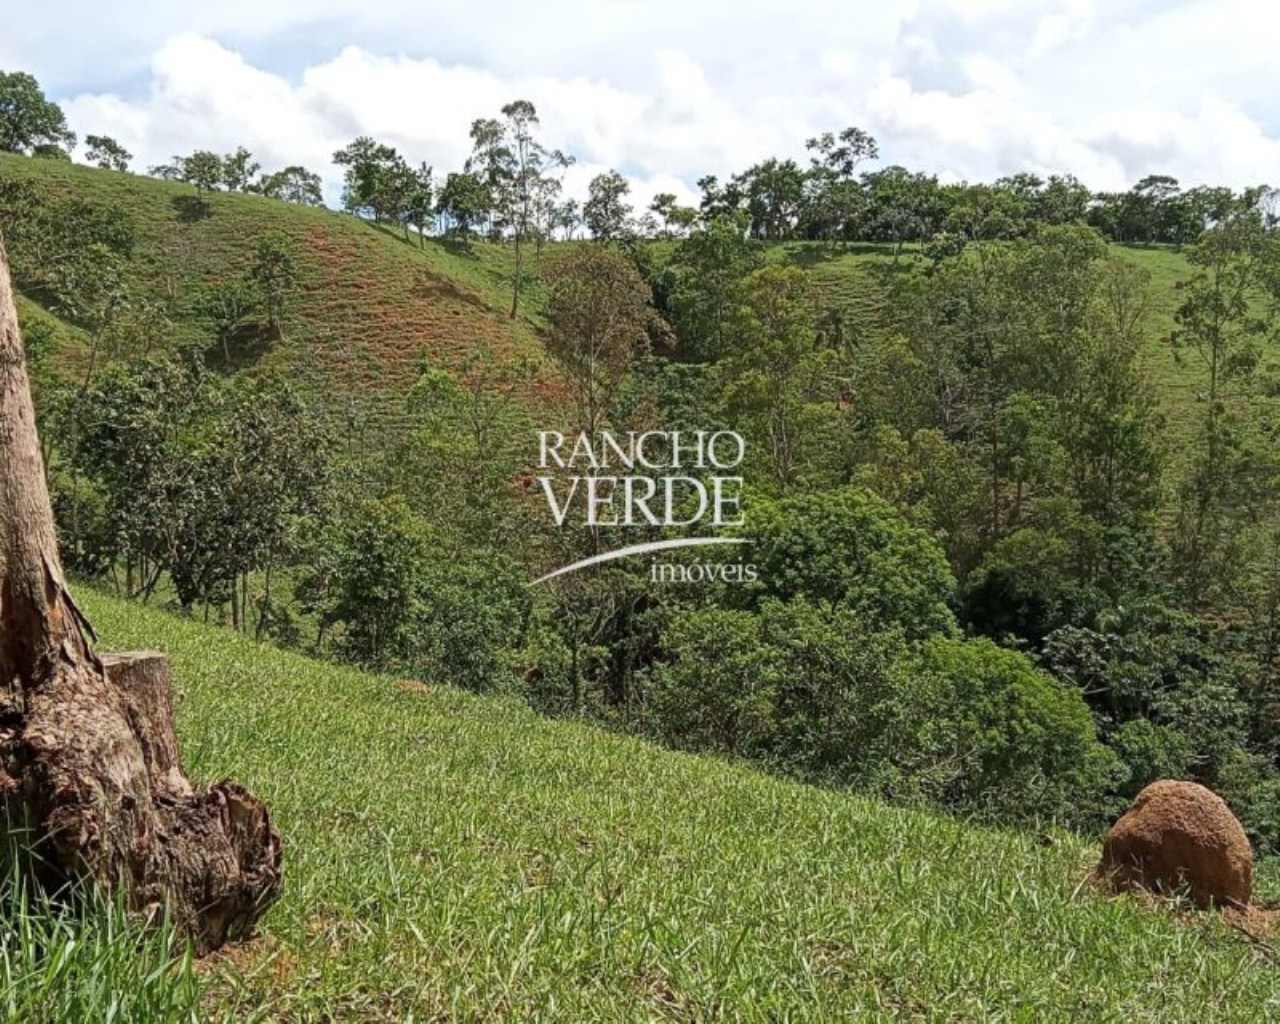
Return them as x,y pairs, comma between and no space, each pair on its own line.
1149,751
961,724
1023,587
850,710
719,691
850,550
1026,742
472,605
391,597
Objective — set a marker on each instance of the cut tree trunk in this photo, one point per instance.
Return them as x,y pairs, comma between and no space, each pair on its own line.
88,755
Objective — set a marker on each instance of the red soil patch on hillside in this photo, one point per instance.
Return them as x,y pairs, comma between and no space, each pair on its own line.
375,319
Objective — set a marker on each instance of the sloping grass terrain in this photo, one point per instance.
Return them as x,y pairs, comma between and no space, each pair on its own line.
369,305
451,857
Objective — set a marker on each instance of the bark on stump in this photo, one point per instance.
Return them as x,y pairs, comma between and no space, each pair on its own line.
88,755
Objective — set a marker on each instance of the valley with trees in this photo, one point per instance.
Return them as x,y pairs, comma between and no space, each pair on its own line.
1012,489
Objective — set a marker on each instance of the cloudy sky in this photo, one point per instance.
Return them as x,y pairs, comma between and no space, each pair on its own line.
668,90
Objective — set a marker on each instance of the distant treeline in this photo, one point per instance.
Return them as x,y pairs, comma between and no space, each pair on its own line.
511,186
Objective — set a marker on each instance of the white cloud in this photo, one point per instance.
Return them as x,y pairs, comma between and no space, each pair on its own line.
1201,145
10,57
1063,26
666,90
204,95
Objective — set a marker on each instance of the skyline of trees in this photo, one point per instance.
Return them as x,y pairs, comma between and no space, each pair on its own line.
511,186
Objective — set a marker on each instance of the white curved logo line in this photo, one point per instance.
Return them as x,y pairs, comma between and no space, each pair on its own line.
640,549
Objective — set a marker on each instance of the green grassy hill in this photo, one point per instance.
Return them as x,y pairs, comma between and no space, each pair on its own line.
371,305
455,857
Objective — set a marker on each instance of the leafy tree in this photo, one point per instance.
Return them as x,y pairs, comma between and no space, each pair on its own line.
777,377
368,165
1000,333
1207,206
774,194
1023,744
842,154
719,690
1023,588
464,447
1169,695
833,207
720,202
675,219
91,291
136,446
58,241
599,312
293,184
849,710
1109,427
962,724
203,481
985,212
415,200
29,121
705,290
521,176
229,306
1219,320
567,217
1062,200
368,581
398,190
107,153
264,469
388,595
1151,211
464,202
275,273
239,169
474,607
902,206
850,549
606,210
22,212
204,170
1152,207
548,209
89,287
172,171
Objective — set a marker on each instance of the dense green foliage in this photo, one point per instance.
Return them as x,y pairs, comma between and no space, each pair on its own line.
982,456
510,186
964,510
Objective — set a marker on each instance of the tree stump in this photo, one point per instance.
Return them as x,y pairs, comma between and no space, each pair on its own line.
88,755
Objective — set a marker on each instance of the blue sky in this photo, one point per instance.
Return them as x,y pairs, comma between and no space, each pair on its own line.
667,91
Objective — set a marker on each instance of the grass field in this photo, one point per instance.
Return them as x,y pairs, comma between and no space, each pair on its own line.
369,306
451,857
